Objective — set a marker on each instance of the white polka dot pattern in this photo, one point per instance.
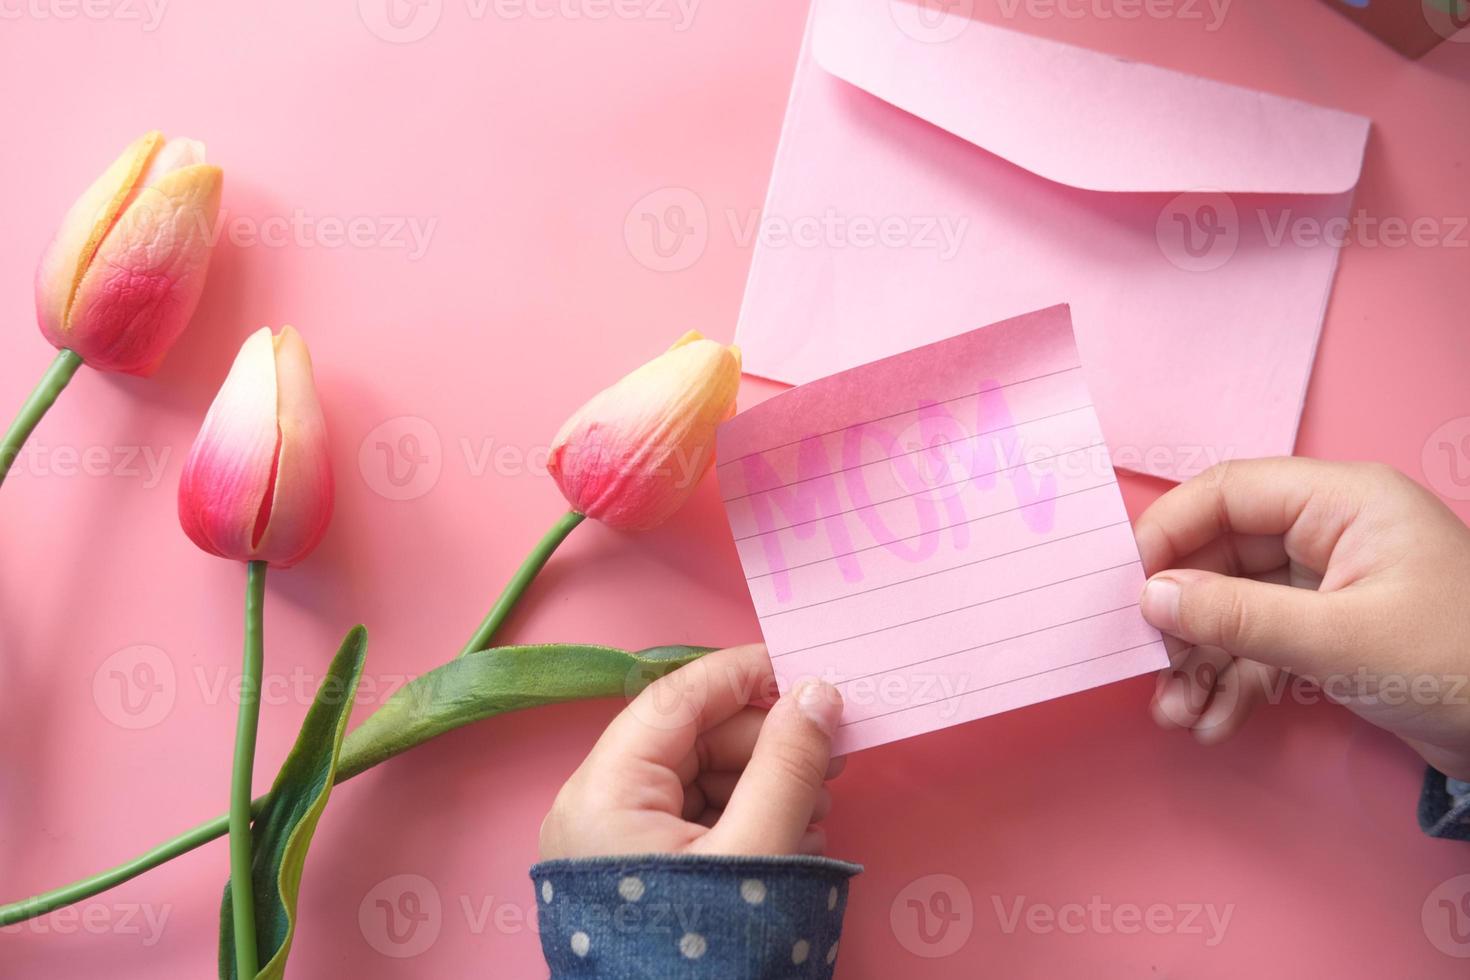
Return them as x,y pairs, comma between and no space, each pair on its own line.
692,946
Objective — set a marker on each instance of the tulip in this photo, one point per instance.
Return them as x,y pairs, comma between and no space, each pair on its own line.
119,282
257,485
634,453
257,488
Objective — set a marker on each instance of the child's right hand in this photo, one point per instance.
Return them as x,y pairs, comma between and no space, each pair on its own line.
1380,618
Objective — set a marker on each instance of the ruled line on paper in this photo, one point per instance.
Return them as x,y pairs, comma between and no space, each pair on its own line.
856,563
909,452
990,687
950,612
923,534
982,646
894,415
907,496
952,568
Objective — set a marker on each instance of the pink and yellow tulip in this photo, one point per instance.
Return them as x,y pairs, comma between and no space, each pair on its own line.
257,486
121,279
634,453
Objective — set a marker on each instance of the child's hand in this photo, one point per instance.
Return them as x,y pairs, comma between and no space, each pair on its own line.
692,767
1381,618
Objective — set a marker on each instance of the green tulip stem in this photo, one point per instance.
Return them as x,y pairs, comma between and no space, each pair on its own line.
242,887
211,830
521,580
57,375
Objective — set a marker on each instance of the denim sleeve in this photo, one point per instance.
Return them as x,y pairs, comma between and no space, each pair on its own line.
1444,806
670,917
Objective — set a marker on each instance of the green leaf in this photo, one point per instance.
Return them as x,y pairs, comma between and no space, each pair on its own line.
285,822
491,682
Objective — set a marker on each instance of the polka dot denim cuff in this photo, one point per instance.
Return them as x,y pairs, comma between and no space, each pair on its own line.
667,917
1444,806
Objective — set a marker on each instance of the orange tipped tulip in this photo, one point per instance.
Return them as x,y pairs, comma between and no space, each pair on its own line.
632,455
119,282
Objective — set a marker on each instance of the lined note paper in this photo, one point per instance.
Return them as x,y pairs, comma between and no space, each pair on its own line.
939,533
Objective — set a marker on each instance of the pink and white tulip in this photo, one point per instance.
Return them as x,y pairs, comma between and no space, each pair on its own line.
632,455
122,277
257,486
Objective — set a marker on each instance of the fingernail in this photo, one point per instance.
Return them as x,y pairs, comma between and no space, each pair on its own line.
1160,603
821,703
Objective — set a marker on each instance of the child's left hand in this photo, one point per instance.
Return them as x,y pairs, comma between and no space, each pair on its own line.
694,766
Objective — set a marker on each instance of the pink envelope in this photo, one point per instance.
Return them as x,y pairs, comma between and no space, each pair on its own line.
937,174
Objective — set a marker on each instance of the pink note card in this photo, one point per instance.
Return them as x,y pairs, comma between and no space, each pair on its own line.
939,533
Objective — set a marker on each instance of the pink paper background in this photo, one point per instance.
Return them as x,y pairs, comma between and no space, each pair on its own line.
534,143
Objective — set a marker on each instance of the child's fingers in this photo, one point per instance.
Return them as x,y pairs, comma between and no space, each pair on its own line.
716,788
1299,629
665,719
1241,689
1250,497
772,804
1185,688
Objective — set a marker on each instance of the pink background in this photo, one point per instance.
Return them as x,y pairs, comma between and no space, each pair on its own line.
528,141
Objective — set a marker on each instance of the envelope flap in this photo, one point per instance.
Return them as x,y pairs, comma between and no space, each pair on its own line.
1086,119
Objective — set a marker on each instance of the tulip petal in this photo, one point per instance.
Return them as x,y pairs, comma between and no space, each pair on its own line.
633,454
144,282
301,503
82,230
227,475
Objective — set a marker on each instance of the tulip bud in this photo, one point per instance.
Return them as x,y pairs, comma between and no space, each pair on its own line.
632,455
257,486
119,282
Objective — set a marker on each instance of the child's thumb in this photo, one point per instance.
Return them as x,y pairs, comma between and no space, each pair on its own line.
773,802
1275,624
